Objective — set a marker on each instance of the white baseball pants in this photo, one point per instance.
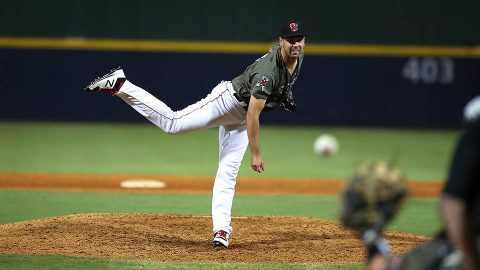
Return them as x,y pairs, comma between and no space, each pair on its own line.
219,109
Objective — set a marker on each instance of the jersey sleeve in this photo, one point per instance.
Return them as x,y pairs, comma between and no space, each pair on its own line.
262,86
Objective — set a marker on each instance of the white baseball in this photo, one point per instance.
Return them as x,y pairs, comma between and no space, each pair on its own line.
325,145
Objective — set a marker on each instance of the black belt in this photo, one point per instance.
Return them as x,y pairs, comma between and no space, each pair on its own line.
237,97
240,100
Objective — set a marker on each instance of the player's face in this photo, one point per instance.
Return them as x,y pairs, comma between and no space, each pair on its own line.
292,46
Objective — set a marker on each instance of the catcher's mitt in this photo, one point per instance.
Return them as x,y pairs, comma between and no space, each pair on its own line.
371,198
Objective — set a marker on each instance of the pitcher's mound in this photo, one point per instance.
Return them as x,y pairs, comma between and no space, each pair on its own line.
188,238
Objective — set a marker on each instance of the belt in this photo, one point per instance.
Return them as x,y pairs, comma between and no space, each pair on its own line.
237,97
244,104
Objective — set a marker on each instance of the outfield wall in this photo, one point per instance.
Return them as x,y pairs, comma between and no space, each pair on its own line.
368,63
345,91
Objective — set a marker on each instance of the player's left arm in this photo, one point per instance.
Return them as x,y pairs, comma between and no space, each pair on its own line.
255,107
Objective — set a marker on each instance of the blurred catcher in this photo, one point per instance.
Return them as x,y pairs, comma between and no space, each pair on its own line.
375,192
371,198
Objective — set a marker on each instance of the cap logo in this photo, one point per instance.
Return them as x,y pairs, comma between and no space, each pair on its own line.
293,27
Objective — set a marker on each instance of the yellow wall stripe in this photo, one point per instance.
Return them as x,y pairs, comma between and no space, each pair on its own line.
234,47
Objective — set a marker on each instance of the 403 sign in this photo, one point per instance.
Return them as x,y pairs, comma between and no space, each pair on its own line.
429,70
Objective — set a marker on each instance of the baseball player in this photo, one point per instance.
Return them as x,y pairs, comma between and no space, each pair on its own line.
233,106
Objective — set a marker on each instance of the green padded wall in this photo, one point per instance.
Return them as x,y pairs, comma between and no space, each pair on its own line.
422,22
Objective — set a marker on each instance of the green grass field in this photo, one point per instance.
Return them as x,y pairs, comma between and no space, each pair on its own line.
143,149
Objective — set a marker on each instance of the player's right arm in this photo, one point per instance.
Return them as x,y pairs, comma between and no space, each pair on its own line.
262,85
255,107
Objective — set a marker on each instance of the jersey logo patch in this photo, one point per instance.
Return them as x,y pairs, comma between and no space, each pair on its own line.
262,81
293,27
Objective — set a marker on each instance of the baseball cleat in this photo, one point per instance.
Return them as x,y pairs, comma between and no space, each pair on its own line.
220,239
110,83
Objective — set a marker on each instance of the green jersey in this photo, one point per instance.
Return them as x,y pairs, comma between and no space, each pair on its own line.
268,79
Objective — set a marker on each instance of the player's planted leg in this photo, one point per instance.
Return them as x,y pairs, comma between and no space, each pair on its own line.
233,142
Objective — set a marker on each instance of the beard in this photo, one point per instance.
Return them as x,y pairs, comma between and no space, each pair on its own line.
294,53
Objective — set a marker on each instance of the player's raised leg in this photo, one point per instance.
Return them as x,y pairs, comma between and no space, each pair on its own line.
218,108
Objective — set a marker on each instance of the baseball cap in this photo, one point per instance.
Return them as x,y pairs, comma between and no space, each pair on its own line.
292,28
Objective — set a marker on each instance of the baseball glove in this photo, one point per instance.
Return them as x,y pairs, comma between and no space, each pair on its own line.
371,198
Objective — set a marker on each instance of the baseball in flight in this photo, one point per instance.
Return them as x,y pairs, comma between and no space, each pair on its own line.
325,145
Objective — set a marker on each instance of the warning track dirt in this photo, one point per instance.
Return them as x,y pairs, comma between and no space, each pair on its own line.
187,184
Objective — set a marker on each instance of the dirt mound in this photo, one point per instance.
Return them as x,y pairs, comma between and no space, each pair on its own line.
187,238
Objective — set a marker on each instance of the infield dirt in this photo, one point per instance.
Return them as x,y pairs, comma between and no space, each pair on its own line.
184,237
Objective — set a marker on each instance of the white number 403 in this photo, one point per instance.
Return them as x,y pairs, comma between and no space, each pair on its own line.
429,70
